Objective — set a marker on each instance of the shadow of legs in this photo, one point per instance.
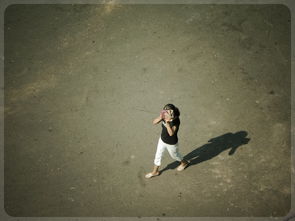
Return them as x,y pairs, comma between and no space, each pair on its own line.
170,166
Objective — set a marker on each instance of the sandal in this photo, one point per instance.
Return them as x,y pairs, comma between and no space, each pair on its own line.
150,175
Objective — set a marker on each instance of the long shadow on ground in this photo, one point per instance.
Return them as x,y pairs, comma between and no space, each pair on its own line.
213,148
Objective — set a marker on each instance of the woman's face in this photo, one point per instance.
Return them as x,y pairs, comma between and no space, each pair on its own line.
168,114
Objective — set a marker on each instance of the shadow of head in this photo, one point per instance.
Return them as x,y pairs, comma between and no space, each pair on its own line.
230,139
236,140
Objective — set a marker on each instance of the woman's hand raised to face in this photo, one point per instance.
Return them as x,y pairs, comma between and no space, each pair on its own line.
165,115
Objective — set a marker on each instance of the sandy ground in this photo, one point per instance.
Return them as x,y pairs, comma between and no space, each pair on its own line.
83,84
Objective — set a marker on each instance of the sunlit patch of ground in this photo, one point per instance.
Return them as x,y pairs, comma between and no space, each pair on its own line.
17,95
110,5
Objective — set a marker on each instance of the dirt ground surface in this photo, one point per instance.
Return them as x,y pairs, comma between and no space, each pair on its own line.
84,82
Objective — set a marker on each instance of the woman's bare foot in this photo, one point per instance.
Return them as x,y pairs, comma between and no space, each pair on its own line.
152,174
182,165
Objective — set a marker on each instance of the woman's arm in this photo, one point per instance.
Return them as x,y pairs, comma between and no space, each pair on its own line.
170,130
157,120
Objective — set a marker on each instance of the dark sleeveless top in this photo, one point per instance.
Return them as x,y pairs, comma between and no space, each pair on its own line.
166,138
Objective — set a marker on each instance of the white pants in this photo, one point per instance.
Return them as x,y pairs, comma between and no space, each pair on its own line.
172,149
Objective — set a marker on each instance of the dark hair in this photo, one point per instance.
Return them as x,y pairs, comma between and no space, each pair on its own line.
169,107
176,112
172,107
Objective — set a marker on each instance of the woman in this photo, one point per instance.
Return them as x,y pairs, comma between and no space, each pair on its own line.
168,140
